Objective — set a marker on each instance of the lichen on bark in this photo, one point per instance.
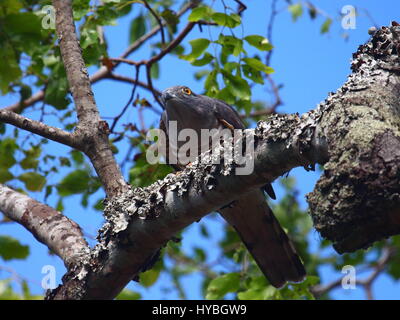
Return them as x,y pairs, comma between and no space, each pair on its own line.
357,199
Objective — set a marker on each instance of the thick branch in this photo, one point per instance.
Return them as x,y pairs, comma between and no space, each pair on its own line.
355,203
60,234
143,220
357,200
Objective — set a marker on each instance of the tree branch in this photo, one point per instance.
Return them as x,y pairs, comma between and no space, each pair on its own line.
41,129
93,131
60,234
145,219
160,24
122,78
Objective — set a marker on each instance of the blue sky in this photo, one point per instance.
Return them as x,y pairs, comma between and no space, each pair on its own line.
308,64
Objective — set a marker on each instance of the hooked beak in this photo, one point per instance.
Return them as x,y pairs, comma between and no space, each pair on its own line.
167,95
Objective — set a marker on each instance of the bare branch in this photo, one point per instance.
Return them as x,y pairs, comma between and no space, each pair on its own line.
377,269
116,119
155,15
62,235
41,129
271,22
90,127
122,78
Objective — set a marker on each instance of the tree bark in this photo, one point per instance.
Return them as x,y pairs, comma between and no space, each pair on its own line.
93,131
357,199
60,234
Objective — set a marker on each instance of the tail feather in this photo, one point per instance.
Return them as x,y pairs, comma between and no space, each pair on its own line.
265,239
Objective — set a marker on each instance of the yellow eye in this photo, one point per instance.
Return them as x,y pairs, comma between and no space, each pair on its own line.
187,91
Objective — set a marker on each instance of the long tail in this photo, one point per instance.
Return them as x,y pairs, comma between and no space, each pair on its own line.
265,239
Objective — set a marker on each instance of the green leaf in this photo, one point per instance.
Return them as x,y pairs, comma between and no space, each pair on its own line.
266,293
237,85
252,74
10,6
33,181
23,23
11,248
148,278
56,93
74,183
206,59
31,158
5,175
222,285
9,67
128,295
155,70
7,150
222,19
200,254
211,84
326,25
171,18
226,95
137,28
200,13
80,8
77,156
259,42
231,44
25,92
258,65
60,205
89,37
296,10
198,47
29,163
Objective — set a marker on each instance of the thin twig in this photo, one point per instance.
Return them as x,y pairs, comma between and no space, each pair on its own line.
271,22
116,119
160,24
378,268
241,7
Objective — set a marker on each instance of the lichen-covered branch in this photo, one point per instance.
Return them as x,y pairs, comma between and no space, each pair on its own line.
354,133
357,199
60,234
142,220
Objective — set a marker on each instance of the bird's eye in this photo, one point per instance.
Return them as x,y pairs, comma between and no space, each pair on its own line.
187,91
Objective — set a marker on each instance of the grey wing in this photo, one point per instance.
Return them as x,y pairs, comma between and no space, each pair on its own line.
224,111
163,127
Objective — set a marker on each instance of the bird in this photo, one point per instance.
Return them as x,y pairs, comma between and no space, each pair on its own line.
250,214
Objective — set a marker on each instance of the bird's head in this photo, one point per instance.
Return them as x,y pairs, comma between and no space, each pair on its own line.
191,110
178,94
